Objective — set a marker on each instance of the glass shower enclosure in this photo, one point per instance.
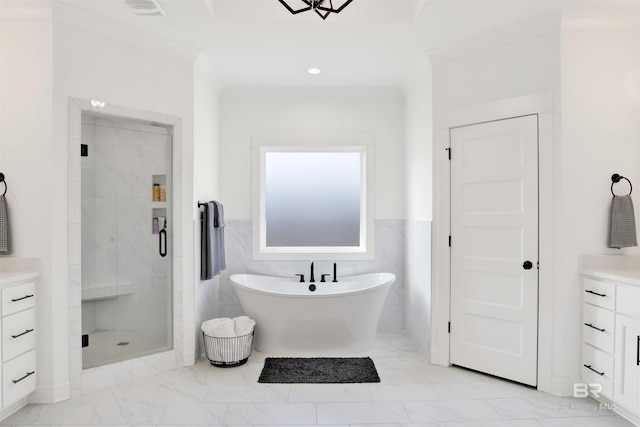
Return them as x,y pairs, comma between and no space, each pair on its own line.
126,239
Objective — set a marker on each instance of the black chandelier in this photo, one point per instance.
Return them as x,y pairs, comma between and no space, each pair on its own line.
321,7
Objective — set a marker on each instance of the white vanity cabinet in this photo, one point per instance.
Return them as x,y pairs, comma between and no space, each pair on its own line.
611,338
627,379
598,323
17,340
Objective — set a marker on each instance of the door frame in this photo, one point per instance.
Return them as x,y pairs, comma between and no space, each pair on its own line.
542,105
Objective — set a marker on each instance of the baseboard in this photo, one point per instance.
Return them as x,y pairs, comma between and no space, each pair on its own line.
51,392
439,358
189,357
563,386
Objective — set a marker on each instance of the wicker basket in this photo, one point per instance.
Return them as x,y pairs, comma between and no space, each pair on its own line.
228,352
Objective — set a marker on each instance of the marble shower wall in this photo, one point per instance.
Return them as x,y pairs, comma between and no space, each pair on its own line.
389,257
117,210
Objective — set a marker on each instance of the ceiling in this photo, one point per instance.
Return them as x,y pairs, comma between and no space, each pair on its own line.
370,43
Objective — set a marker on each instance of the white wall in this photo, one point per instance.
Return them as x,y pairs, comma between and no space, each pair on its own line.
43,64
27,158
418,208
296,109
595,134
206,182
600,125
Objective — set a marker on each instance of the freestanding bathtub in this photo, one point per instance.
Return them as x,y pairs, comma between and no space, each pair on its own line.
335,318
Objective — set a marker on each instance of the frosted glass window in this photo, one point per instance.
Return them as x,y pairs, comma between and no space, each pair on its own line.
313,199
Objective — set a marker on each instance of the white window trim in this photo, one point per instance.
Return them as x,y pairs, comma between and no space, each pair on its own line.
317,143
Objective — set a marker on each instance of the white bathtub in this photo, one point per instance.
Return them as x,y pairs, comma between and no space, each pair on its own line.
336,318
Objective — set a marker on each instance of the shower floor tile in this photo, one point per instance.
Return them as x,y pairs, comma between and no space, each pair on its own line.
110,346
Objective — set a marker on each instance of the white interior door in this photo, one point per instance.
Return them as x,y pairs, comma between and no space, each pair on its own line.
494,248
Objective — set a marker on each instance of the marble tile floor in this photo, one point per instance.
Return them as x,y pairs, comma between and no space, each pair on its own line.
412,392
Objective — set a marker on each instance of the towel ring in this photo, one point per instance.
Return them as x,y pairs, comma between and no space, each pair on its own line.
2,180
615,178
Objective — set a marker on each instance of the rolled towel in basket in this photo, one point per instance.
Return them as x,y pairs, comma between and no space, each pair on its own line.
244,325
219,328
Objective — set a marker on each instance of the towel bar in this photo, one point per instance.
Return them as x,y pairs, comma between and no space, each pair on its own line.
615,178
2,180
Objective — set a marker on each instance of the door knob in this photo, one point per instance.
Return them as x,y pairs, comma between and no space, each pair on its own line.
528,265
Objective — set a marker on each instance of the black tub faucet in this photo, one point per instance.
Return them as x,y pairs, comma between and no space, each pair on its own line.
312,278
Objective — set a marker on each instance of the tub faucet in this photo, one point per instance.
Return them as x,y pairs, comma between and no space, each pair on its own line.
312,279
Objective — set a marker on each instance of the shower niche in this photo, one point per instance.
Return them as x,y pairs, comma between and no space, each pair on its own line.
158,204
126,277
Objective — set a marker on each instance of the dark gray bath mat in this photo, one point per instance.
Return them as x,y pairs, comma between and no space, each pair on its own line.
319,370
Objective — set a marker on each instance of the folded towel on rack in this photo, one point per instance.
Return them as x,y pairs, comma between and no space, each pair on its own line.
5,227
622,223
212,257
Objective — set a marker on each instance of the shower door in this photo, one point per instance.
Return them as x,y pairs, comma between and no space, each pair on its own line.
126,239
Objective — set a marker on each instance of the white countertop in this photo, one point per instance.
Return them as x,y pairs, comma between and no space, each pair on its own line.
14,270
7,278
621,275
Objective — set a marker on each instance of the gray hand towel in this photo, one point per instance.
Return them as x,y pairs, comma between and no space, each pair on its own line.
622,223
212,258
5,227
219,261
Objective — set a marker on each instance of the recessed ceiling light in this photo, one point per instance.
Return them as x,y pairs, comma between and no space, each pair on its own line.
314,71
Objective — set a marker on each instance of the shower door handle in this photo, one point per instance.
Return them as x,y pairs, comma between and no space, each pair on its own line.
162,242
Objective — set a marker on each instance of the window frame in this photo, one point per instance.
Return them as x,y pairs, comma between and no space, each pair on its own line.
259,230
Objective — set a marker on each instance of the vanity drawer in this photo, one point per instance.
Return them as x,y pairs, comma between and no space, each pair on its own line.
18,378
628,301
599,293
597,368
18,333
18,298
598,327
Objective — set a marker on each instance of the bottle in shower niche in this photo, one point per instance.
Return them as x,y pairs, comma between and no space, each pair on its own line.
163,194
156,193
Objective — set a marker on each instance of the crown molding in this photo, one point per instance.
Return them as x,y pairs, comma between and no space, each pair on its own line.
545,25
626,20
77,18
